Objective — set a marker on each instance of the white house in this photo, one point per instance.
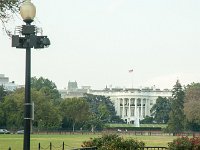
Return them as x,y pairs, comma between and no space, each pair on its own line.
129,103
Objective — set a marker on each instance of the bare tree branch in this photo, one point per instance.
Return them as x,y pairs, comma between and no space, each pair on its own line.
7,9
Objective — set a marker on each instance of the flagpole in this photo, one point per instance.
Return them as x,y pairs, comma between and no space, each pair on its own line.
132,80
131,72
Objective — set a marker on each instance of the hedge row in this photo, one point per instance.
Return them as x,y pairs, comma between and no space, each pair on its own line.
134,128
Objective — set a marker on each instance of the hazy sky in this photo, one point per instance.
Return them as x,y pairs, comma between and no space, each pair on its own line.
96,42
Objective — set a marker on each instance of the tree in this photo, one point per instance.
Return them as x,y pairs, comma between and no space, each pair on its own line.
161,110
7,8
11,110
3,92
192,104
102,111
76,109
46,86
47,99
176,121
47,115
102,106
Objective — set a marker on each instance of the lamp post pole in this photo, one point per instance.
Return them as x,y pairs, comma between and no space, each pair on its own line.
27,105
28,39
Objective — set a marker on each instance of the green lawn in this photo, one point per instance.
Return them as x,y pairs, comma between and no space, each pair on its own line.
16,141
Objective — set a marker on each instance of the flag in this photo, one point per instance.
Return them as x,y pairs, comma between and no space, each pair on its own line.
130,71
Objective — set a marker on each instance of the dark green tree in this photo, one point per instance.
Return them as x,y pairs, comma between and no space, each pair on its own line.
176,123
48,96
75,109
46,86
102,111
11,110
192,106
47,115
102,106
3,92
161,110
2,116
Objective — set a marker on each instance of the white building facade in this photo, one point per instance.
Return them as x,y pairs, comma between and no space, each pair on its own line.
130,104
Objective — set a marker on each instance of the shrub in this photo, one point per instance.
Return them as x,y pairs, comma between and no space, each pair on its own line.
185,143
181,143
195,143
113,142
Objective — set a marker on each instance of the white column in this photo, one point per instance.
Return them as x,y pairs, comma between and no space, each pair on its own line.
129,109
147,107
142,108
123,109
135,107
146,103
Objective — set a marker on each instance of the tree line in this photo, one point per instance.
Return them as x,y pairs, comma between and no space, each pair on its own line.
51,112
181,111
91,112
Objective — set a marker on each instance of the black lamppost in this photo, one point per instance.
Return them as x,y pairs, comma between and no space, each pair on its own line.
28,39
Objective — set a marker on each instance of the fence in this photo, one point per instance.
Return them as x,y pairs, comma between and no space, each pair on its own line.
67,147
63,147
153,148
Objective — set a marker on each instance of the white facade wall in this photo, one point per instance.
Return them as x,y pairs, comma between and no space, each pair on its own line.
127,102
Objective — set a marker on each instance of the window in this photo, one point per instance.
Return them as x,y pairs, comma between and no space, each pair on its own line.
132,102
139,102
121,102
132,111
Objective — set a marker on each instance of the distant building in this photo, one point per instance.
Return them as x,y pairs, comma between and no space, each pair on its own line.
9,86
72,86
74,91
126,100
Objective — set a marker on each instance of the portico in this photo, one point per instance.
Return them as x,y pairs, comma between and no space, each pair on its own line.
127,103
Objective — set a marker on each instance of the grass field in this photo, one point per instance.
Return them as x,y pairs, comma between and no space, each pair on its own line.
16,141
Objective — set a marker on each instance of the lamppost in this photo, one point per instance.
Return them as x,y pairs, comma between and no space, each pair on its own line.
27,39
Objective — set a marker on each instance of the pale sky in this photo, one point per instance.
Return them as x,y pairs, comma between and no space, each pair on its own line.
96,42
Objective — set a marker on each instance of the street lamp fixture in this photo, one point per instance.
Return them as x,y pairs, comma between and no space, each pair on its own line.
28,11
26,39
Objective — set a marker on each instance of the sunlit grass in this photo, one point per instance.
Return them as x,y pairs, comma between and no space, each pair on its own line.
73,140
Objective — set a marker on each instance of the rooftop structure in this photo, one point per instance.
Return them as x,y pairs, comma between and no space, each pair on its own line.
4,81
72,86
